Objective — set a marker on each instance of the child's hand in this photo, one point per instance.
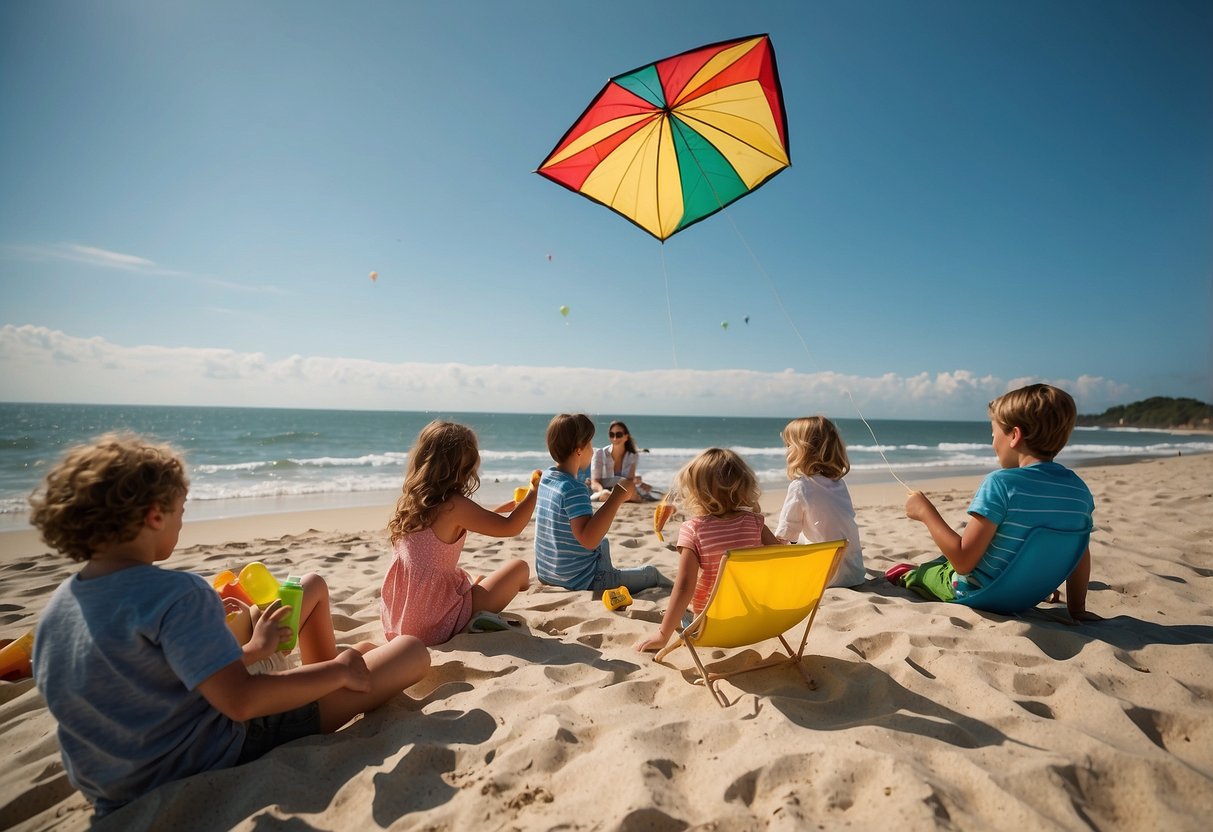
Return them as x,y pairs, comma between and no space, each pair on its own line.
268,633
626,487
239,619
357,674
652,644
918,506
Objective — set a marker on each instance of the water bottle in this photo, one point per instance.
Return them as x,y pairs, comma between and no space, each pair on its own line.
259,584
291,594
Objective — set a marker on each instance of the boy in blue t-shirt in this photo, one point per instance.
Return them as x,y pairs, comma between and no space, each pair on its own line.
137,664
571,549
1029,427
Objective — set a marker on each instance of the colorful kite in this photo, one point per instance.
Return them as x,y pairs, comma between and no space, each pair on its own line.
673,142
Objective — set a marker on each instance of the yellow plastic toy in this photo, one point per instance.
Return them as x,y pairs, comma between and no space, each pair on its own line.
15,657
259,584
617,599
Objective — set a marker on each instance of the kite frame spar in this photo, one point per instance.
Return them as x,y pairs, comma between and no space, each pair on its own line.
670,143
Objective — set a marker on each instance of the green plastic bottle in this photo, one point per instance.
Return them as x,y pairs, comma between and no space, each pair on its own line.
291,595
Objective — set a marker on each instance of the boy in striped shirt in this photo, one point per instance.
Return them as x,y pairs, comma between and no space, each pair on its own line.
1029,426
571,549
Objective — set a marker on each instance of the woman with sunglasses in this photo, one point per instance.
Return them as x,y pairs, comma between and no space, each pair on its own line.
615,462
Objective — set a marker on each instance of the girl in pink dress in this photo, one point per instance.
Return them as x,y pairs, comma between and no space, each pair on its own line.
721,493
425,593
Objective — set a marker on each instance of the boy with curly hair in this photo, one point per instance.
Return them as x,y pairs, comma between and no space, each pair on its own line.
136,663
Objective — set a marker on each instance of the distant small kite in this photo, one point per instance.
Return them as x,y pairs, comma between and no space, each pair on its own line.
374,276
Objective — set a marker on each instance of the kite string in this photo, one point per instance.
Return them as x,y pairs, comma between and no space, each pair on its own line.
669,309
879,447
770,283
787,316
754,257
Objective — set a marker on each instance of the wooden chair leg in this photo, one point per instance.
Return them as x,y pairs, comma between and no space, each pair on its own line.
707,677
668,649
797,658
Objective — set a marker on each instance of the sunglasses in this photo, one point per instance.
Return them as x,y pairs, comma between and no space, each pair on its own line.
615,435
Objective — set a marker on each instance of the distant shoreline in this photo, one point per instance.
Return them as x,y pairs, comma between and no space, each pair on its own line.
1178,431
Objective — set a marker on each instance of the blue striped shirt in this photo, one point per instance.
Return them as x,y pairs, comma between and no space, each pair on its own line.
1018,500
559,559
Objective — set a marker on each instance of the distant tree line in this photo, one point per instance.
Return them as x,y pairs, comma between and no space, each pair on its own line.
1156,412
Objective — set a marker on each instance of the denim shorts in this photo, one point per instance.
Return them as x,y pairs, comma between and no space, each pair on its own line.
607,576
268,732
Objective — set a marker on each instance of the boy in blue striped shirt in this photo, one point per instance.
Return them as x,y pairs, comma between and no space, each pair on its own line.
1029,426
571,549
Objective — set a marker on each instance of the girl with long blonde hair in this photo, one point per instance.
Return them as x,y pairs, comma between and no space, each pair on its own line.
425,593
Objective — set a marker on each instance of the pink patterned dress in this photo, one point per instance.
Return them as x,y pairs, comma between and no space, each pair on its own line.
425,593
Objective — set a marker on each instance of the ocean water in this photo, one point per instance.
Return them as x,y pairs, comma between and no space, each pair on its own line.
259,460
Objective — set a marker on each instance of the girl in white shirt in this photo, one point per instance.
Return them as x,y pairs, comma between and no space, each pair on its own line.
818,506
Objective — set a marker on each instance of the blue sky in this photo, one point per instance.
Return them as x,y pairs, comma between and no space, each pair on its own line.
981,194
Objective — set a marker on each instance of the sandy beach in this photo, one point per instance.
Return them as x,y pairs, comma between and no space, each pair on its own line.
923,715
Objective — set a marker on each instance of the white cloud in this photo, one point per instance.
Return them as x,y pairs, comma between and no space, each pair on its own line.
99,256
44,365
91,256
88,256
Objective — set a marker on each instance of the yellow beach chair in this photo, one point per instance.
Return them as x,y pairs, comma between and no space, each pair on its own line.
760,594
